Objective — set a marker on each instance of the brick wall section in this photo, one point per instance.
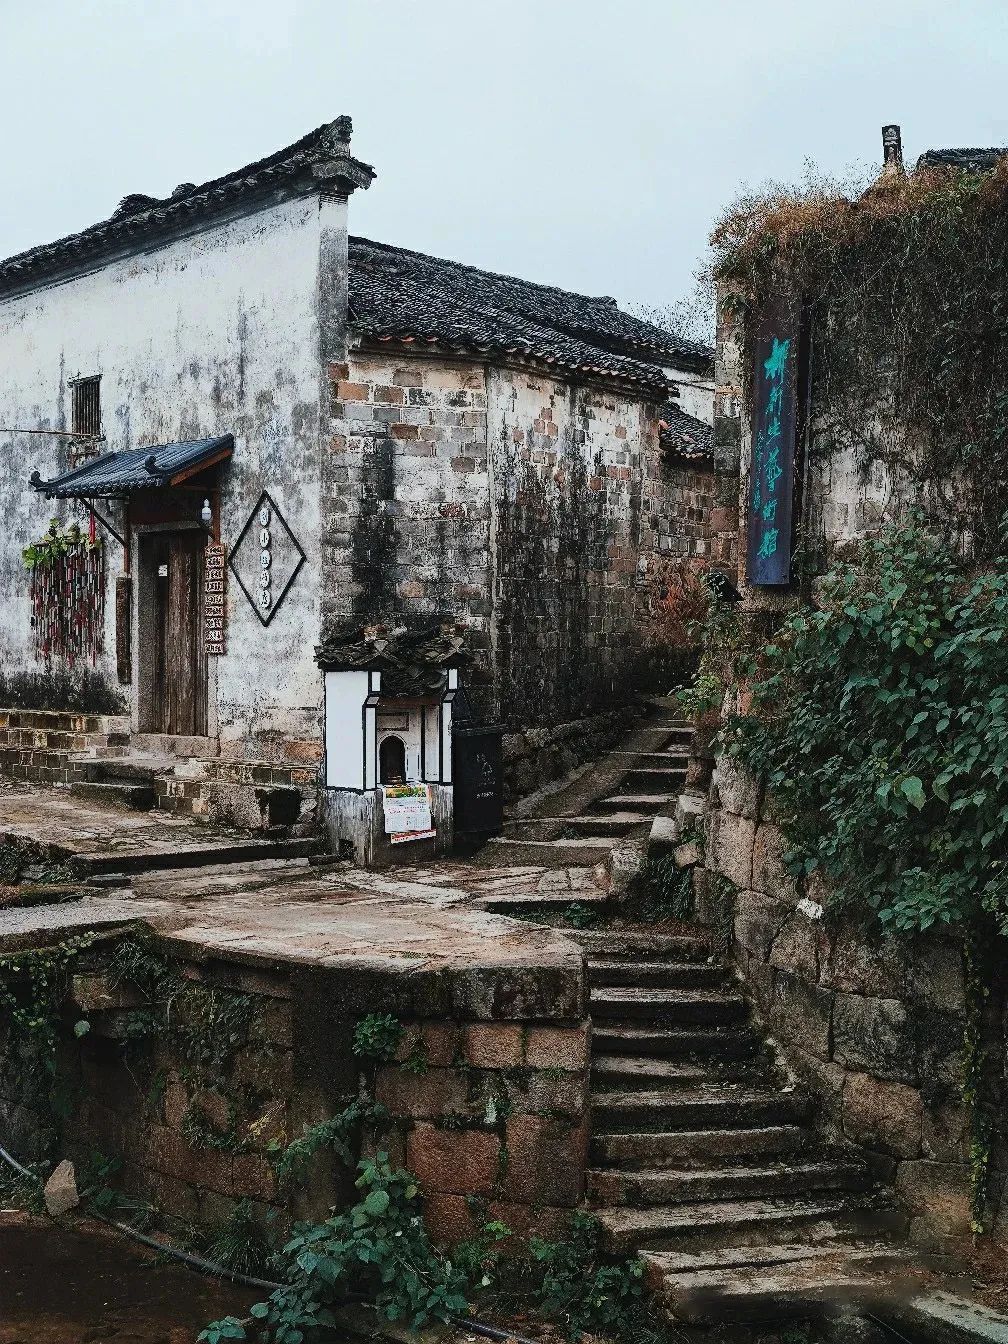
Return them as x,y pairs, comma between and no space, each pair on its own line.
406,506
524,506
499,1112
696,514
873,1026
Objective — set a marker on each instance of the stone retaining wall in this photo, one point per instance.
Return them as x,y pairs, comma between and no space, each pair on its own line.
40,747
487,1097
874,1025
536,756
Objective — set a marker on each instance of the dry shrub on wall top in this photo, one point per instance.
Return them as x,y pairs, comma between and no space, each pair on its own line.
906,295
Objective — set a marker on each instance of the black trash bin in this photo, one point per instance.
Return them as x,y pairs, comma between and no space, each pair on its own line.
478,779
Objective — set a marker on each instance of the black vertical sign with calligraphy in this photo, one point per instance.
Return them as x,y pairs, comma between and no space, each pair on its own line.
778,375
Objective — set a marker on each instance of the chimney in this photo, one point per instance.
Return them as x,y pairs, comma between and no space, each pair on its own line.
892,152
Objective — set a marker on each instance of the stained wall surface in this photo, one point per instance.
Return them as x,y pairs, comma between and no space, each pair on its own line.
218,332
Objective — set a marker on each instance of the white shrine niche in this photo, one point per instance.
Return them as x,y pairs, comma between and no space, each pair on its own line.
388,721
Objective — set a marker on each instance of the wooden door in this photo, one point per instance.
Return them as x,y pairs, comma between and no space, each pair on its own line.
179,683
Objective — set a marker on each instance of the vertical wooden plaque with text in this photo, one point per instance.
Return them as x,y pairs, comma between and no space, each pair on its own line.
215,599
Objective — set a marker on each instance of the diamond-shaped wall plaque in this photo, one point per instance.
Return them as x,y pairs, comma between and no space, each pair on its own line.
266,558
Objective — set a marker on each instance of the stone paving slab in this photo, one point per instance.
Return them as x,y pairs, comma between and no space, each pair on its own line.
297,913
216,900
104,838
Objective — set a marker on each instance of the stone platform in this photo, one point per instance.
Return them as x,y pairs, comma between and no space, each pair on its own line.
100,838
497,1107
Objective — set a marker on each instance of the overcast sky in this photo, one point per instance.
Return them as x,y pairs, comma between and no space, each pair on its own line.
576,142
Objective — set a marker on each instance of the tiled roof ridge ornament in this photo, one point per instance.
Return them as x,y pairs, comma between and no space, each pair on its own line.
434,642
319,161
331,162
134,203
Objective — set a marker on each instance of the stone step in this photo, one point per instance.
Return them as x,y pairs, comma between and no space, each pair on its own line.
610,944
527,905
167,744
613,825
827,1276
673,1006
768,1255
195,856
725,1107
634,802
623,1072
506,852
640,1188
699,1148
135,797
653,780
762,1221
677,758
660,974
132,769
736,1042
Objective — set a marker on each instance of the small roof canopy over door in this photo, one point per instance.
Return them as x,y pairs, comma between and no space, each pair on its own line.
117,475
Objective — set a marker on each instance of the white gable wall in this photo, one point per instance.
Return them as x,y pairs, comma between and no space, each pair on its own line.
217,332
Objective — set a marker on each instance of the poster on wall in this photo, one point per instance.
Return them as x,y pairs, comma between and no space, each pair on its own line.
407,812
215,599
777,376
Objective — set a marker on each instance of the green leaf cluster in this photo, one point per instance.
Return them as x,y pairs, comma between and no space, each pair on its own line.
377,1036
379,1248
579,1289
880,721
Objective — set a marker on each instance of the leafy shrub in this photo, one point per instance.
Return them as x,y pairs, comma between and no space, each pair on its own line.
881,723
578,1289
378,1248
377,1036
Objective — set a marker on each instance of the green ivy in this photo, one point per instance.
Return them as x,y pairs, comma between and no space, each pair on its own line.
335,1133
579,1289
377,1036
379,1248
880,721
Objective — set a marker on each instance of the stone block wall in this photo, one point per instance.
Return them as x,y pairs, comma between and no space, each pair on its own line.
405,493
55,747
486,1099
872,1024
535,756
35,744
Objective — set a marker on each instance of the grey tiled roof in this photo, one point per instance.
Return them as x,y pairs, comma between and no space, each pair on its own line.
116,474
401,296
411,661
973,160
321,157
684,437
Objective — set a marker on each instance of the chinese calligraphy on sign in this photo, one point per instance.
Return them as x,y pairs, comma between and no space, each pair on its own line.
771,483
214,600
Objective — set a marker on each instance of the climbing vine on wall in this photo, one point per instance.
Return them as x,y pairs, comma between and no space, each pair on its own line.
880,722
67,580
904,289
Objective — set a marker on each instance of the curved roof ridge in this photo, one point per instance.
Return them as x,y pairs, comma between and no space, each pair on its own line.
327,144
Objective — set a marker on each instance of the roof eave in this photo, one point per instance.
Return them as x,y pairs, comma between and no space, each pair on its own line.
423,345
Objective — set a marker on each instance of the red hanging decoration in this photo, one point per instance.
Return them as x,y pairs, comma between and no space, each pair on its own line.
67,594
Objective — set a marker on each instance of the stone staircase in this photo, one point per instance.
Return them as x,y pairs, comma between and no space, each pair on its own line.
704,1158
613,804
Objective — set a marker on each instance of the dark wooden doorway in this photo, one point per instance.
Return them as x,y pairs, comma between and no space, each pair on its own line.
179,693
